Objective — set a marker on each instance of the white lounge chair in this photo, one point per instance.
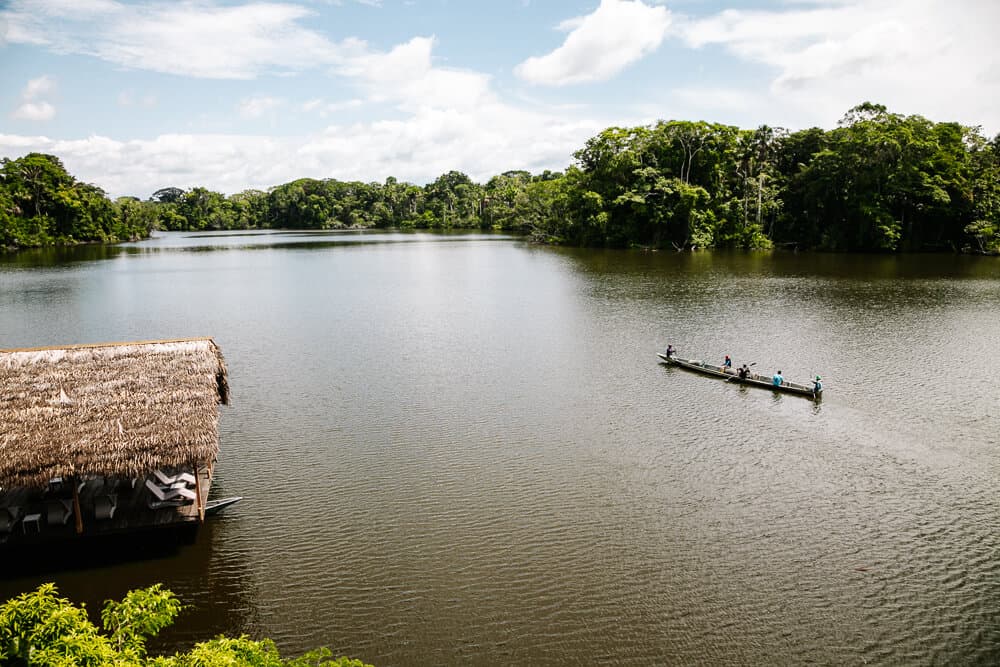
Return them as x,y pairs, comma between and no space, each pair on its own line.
105,506
169,480
169,497
60,511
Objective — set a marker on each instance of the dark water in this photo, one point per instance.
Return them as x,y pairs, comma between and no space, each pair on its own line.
462,450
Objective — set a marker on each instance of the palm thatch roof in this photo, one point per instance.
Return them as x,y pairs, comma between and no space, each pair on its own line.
113,409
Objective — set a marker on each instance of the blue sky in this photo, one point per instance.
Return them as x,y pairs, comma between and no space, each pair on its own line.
230,95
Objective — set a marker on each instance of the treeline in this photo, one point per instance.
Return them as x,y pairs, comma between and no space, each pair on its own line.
878,182
451,201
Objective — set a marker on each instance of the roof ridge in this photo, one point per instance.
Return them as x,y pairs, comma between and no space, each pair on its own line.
82,346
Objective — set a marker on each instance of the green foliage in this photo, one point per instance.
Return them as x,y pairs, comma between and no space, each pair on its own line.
453,200
41,204
883,181
323,657
878,182
141,614
134,220
245,652
40,629
226,652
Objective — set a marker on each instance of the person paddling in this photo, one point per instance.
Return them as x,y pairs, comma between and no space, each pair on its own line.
817,385
670,351
778,379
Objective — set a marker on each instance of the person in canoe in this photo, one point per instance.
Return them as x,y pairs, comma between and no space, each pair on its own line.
728,363
743,372
778,379
670,351
817,385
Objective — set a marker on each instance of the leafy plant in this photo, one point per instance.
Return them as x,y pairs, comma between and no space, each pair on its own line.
41,629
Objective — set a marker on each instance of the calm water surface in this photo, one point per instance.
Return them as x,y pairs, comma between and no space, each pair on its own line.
462,449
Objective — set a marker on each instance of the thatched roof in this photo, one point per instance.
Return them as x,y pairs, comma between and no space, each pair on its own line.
115,409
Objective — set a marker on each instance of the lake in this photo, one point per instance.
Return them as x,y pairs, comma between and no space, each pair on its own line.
461,449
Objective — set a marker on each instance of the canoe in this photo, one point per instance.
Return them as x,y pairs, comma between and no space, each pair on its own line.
754,379
216,506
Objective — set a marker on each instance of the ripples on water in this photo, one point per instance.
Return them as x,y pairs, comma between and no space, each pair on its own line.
461,450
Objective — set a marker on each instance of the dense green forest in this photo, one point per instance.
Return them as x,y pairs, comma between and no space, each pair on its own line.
878,182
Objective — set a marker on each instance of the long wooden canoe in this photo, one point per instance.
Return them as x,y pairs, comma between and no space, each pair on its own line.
754,379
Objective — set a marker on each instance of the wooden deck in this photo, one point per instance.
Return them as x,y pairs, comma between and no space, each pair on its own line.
53,515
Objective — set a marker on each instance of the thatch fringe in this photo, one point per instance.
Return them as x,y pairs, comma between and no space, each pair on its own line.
118,409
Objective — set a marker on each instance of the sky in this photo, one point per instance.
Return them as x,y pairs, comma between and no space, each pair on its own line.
232,95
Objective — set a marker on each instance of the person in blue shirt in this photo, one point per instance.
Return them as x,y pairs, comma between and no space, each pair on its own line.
778,379
728,363
817,385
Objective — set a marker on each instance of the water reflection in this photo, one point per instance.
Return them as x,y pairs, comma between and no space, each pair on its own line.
62,256
778,263
232,241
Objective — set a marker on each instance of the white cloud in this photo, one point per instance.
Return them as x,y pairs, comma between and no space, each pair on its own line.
433,141
255,107
35,111
406,77
39,87
450,119
417,148
601,44
442,119
196,39
32,108
227,163
933,57
404,62
324,108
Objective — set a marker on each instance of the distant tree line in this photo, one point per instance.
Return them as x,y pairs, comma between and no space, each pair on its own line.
878,182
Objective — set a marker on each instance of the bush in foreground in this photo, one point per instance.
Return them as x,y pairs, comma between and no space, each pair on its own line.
42,629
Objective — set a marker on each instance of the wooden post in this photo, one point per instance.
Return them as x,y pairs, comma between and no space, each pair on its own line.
197,490
76,506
